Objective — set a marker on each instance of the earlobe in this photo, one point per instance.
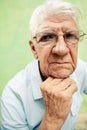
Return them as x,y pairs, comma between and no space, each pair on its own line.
33,48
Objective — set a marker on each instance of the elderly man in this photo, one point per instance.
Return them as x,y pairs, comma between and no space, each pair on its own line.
46,95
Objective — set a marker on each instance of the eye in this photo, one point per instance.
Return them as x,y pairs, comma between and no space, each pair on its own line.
47,38
72,36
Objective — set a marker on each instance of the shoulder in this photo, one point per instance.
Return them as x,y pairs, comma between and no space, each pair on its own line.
18,84
81,67
81,63
15,99
81,74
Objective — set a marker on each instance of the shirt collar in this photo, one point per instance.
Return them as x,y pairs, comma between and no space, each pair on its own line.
36,80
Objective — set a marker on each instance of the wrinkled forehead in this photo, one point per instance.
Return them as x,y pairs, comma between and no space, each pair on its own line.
59,17
57,22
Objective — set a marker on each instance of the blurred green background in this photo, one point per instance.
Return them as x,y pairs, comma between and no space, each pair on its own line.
14,36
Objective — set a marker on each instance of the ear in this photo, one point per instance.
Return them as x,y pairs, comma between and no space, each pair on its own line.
33,48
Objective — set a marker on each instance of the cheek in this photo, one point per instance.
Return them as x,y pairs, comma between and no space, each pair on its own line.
43,52
74,55
42,57
43,60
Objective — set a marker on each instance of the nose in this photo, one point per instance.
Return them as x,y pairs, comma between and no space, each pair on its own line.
60,47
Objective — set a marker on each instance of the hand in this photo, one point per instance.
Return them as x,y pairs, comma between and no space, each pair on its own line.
57,95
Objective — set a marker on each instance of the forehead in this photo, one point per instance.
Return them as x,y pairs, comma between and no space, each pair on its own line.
57,23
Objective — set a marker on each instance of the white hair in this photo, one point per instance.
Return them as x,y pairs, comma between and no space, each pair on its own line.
52,7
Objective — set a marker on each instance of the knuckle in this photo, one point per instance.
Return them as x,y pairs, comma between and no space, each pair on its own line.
45,88
64,96
75,86
42,86
71,80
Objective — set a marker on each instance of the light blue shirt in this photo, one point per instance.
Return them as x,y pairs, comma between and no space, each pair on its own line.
22,103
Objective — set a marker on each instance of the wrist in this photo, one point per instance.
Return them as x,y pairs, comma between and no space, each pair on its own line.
51,124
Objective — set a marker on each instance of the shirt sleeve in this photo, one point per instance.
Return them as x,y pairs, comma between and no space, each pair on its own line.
12,112
83,76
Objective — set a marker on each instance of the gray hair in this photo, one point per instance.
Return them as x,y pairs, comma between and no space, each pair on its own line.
52,7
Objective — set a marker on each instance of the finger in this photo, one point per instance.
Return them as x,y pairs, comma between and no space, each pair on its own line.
65,83
72,89
49,79
51,84
46,82
56,84
56,81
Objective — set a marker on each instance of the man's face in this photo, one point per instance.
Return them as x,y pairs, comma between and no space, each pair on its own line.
56,60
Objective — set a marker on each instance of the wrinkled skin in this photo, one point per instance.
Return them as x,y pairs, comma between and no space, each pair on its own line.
57,95
57,62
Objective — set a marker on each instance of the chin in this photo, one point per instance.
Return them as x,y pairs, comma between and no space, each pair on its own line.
60,71
60,75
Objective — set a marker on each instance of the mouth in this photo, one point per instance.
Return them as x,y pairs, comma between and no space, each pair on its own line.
60,63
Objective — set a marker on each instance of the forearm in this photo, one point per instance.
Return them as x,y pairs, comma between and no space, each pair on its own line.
51,124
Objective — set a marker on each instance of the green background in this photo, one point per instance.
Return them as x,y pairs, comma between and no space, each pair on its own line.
15,53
